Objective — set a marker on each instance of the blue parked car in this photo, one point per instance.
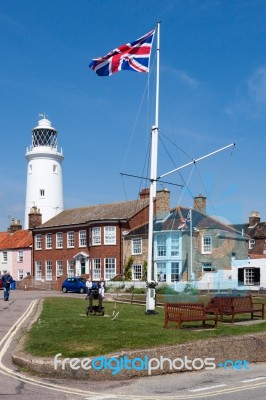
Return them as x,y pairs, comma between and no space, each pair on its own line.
75,284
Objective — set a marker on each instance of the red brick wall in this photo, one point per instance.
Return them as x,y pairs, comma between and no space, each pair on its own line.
98,251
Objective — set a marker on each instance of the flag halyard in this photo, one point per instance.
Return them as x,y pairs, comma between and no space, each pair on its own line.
133,56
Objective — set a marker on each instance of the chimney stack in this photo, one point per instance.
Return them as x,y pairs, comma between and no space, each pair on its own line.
144,194
14,226
162,203
35,218
200,203
254,218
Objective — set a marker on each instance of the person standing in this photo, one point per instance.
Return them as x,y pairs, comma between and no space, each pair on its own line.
7,280
102,287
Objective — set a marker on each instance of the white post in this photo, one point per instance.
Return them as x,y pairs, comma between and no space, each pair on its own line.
196,160
191,247
150,295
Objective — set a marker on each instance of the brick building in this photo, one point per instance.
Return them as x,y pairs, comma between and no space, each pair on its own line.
88,240
256,230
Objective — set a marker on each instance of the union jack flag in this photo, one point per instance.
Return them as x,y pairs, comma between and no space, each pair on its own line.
132,56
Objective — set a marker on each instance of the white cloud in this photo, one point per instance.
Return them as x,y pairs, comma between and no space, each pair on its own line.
182,76
250,98
257,86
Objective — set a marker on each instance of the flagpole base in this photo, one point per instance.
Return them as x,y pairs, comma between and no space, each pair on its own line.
150,299
151,312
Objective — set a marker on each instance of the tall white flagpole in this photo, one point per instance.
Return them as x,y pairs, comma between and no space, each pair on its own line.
151,278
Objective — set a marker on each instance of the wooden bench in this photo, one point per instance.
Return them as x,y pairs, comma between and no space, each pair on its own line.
187,312
236,305
217,303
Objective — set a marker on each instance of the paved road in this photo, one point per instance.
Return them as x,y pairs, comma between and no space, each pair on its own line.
215,384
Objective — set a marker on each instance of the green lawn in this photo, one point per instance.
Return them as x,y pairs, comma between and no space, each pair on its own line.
63,327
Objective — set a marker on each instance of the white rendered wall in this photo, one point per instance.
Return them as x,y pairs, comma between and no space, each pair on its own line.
44,173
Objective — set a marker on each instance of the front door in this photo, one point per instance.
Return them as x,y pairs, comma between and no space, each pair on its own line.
82,266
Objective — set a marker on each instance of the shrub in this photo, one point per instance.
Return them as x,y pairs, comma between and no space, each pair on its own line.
139,290
144,271
165,289
128,269
189,289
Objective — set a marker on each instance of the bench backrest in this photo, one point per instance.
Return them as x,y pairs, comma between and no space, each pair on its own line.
218,302
228,301
185,309
242,302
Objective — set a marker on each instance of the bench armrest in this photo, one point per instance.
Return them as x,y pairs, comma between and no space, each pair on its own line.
214,310
261,304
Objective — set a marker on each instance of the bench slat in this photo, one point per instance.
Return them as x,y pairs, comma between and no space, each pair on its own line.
236,305
186,312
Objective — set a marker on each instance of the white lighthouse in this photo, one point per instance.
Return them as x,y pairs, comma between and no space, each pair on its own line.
44,174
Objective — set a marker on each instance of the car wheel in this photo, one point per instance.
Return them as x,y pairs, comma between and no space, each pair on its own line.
81,290
64,290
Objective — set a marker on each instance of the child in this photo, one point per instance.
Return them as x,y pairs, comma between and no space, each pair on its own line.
102,287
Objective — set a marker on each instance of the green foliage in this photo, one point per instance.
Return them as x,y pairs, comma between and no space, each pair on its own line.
128,269
144,271
130,289
165,289
189,289
139,290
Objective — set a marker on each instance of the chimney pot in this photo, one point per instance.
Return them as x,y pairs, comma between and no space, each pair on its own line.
254,218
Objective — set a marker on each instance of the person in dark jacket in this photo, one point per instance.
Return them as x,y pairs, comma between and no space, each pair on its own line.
7,280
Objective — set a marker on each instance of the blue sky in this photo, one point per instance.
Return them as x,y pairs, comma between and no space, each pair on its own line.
212,93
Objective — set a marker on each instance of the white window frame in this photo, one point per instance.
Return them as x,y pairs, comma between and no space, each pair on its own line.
109,268
175,271
48,270
70,268
48,241
96,236
20,256
82,238
206,244
161,270
136,272
38,270
96,268
59,240
251,243
161,245
207,267
109,235
136,246
249,276
38,242
20,274
70,239
175,245
59,267
4,257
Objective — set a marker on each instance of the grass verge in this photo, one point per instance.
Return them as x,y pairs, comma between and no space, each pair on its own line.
63,327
